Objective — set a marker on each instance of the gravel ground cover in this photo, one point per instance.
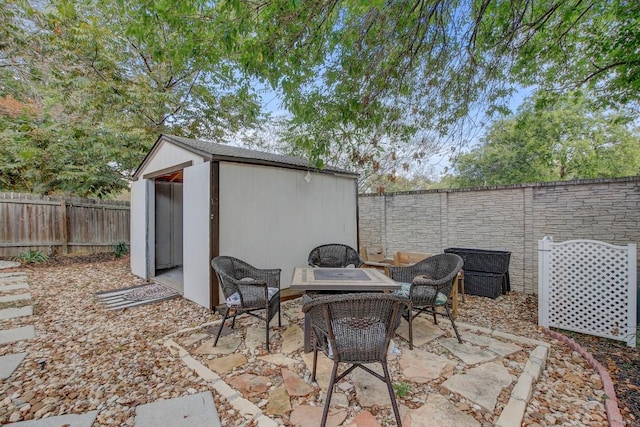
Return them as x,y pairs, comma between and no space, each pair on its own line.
85,357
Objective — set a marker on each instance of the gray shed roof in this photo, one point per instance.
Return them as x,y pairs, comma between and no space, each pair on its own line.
213,151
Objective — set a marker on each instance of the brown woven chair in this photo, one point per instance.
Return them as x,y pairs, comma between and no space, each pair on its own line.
248,289
354,328
427,285
334,255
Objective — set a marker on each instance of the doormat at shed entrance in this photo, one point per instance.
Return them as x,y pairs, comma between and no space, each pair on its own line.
135,296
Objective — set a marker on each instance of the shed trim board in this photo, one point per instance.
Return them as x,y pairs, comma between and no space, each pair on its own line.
168,170
214,241
208,151
266,209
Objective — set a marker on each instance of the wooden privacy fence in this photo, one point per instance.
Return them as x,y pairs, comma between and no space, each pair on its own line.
60,224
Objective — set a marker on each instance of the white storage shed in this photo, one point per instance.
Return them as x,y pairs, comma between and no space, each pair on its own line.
193,200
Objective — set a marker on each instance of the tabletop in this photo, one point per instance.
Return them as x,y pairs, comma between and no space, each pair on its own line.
342,279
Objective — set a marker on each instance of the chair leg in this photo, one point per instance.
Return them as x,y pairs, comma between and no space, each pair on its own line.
226,315
267,334
455,328
325,412
392,395
410,319
315,363
233,322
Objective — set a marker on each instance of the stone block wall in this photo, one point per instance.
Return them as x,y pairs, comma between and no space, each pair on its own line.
511,218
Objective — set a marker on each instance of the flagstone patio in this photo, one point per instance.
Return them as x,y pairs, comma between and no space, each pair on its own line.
457,384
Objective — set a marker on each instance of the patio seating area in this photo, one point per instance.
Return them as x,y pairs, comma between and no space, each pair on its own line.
162,351
457,384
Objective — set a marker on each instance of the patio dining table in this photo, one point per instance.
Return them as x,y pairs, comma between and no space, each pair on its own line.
327,280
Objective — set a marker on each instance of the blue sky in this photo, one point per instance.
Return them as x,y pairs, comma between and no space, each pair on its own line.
437,164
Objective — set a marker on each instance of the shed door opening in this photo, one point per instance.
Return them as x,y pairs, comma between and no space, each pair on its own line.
168,230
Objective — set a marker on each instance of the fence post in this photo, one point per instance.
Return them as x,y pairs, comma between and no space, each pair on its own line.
632,295
64,231
544,264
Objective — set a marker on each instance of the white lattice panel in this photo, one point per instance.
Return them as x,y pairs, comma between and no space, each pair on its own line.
589,287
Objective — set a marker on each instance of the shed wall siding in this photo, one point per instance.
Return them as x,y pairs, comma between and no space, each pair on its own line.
168,155
272,218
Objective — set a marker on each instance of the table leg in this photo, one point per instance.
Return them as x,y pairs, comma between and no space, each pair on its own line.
307,333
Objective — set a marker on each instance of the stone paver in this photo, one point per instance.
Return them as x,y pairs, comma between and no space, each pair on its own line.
512,414
295,385
249,384
364,419
226,364
226,345
256,336
17,334
70,420
198,410
424,331
422,366
369,389
13,312
12,298
481,385
10,363
12,286
496,346
279,402
292,339
189,341
305,416
438,411
8,264
469,354
323,368
279,360
9,279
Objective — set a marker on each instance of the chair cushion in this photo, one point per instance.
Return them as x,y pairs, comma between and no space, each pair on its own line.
234,299
403,292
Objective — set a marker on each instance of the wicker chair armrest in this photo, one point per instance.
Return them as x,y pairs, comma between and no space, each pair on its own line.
309,301
405,274
250,284
269,276
253,293
270,271
424,280
436,285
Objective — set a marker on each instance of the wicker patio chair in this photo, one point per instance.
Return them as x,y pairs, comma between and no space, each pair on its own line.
248,289
354,328
334,255
427,285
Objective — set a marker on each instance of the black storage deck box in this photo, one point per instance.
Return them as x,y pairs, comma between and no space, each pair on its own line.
483,260
483,284
482,269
